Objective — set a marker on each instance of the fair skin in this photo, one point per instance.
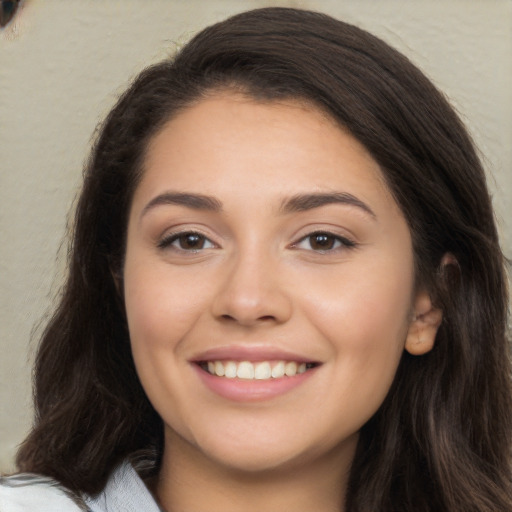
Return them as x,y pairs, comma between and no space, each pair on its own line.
262,232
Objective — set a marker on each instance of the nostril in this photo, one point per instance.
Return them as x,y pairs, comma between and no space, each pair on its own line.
247,306
264,318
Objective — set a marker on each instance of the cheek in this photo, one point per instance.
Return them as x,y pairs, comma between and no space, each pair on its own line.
161,307
364,313
161,310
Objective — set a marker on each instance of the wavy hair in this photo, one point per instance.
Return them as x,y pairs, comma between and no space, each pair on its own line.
441,441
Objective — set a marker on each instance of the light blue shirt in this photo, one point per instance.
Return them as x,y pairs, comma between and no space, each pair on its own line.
124,492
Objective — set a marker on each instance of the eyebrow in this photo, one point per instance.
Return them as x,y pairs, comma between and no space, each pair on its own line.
297,203
304,202
194,201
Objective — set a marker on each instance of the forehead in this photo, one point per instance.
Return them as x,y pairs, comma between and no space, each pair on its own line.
231,143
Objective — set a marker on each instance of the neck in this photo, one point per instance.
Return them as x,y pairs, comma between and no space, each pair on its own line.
189,481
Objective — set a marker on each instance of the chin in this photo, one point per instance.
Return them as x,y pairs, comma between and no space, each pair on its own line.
270,453
257,463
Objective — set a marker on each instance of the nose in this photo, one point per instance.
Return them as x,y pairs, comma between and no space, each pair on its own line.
253,292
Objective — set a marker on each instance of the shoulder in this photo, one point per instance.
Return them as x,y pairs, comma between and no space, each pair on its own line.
125,492
28,492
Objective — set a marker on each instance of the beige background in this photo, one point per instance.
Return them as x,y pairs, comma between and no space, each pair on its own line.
63,63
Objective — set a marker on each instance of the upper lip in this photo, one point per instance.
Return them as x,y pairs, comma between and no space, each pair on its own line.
249,353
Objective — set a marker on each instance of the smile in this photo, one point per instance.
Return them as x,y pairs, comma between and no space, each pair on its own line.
261,370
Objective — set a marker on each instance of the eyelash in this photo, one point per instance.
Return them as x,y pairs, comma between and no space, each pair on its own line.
336,242
170,239
339,242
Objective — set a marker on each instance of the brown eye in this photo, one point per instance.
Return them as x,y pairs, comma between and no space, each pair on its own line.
322,241
191,241
188,241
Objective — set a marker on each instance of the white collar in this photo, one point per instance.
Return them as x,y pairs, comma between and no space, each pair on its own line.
125,492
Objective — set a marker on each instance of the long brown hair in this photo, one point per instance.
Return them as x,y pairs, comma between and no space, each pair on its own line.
442,439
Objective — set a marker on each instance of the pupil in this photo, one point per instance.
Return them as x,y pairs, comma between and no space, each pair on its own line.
191,241
322,241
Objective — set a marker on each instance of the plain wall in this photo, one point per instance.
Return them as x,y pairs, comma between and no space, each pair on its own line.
63,64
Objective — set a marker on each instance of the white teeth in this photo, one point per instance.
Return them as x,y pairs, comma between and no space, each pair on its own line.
245,370
262,370
290,369
278,370
230,370
219,369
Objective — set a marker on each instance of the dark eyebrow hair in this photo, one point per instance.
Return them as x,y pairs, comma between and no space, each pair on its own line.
194,201
304,202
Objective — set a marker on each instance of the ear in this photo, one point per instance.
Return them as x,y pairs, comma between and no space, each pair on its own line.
425,321
426,318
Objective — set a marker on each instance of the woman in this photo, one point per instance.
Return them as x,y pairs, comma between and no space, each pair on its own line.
285,290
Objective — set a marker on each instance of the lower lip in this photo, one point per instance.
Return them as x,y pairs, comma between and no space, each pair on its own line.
251,390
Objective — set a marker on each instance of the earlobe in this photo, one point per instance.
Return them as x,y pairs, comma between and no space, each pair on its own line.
423,327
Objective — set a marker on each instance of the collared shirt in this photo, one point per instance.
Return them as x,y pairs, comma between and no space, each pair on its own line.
124,492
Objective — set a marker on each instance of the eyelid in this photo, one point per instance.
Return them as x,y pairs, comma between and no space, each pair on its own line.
166,241
345,242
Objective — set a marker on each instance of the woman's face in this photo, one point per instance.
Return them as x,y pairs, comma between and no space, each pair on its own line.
268,283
